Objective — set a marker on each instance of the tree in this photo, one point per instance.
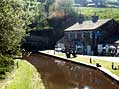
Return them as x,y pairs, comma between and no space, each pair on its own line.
64,5
15,15
48,3
40,19
36,15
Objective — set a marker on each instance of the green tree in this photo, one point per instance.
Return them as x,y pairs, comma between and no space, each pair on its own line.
48,4
64,5
15,15
34,12
40,19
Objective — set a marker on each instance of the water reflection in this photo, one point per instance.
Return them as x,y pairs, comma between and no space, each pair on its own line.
58,74
86,87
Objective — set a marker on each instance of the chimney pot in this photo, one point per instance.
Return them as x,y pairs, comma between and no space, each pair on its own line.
81,19
95,18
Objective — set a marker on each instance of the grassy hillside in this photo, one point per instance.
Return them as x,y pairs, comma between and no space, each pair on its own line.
101,12
23,77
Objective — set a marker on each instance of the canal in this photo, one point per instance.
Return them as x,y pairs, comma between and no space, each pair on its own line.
60,74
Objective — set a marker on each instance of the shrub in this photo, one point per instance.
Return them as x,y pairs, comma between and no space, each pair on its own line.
6,65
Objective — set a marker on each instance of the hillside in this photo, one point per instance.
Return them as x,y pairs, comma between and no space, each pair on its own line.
103,13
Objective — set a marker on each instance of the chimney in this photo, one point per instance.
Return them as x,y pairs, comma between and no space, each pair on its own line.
81,19
95,18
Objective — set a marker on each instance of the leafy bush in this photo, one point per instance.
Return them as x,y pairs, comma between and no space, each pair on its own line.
6,65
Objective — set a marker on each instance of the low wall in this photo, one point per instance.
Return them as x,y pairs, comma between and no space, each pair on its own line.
74,72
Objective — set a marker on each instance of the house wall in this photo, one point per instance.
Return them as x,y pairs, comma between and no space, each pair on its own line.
109,29
88,39
84,36
79,39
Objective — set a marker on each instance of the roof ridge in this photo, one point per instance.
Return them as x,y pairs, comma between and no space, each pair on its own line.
87,25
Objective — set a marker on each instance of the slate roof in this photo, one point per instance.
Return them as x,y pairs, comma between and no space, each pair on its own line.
87,25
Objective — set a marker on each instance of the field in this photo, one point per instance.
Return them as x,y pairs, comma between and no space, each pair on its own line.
103,13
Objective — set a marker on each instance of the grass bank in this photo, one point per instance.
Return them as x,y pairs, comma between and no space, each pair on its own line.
85,59
103,63
23,77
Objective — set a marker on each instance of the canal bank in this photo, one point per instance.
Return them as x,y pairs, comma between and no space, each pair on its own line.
110,63
63,73
25,76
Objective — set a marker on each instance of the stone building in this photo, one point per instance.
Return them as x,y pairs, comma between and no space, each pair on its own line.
91,37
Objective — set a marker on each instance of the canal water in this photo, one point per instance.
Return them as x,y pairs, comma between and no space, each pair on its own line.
59,74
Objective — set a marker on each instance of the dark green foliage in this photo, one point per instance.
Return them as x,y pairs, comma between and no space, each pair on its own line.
40,20
65,5
11,25
5,61
15,16
6,65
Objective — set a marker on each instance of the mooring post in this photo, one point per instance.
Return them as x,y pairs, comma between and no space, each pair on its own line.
90,60
112,65
118,66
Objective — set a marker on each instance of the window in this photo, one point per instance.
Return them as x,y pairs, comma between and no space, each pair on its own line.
71,35
79,35
86,35
75,35
68,35
91,34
